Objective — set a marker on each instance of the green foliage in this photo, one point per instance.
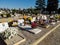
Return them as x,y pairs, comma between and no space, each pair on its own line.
57,17
52,5
8,15
40,4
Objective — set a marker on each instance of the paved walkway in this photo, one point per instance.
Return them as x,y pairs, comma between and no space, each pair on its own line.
32,37
52,39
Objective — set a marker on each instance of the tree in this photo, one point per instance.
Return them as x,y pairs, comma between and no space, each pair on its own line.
8,15
40,5
31,11
59,11
20,11
52,5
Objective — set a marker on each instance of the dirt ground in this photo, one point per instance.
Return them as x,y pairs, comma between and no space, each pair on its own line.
52,39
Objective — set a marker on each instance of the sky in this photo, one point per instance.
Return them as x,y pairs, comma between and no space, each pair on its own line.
59,4
17,3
